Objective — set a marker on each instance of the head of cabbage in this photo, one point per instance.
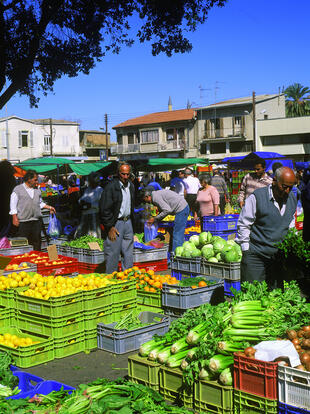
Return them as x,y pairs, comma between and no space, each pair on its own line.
195,240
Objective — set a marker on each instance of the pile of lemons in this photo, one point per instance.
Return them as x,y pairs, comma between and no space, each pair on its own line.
14,341
14,280
45,287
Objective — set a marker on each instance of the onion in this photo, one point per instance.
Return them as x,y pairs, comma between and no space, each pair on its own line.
308,366
291,334
250,352
283,363
297,347
306,343
305,358
296,341
300,333
307,334
301,367
306,328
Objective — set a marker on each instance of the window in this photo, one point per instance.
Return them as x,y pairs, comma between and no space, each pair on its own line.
240,146
171,134
150,136
24,138
120,139
131,138
237,120
286,139
47,141
4,140
218,148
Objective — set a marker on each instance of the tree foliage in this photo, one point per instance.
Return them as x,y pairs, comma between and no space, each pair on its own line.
297,101
42,40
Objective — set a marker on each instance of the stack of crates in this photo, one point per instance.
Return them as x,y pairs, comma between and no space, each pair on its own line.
294,391
237,177
224,226
255,385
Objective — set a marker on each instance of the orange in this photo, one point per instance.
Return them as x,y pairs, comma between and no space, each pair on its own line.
194,287
202,284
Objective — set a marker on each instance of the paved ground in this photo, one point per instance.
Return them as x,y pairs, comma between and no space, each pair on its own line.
82,368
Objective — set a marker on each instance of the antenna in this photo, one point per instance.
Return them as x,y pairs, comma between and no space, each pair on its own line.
201,89
216,88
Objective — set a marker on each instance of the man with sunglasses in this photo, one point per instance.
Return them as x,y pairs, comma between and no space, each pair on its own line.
264,221
116,216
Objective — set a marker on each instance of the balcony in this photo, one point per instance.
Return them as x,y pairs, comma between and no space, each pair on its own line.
227,133
147,147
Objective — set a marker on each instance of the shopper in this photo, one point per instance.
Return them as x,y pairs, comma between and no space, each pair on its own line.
252,181
264,221
177,184
26,204
208,198
192,187
116,215
219,183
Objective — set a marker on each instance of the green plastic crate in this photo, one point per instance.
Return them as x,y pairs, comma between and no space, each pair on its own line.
29,356
121,309
7,298
245,403
92,318
173,389
53,327
69,345
142,371
7,317
212,397
97,298
91,339
124,291
149,298
53,307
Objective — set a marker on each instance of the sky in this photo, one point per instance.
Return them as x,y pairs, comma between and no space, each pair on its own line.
248,45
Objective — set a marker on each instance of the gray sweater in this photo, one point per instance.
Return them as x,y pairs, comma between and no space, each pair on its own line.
27,208
270,227
168,202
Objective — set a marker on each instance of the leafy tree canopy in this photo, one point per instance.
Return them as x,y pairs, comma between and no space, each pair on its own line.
297,101
42,40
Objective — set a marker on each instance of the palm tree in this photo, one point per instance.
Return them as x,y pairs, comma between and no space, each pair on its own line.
297,101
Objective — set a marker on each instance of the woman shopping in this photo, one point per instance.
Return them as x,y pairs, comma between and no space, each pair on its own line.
208,198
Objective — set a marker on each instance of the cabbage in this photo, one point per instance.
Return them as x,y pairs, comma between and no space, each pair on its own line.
226,249
232,243
196,253
219,257
215,238
209,245
219,245
213,260
205,238
194,239
179,251
187,253
188,245
207,252
231,256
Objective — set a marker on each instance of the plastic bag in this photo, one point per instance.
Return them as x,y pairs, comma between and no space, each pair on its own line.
5,243
228,209
150,231
54,227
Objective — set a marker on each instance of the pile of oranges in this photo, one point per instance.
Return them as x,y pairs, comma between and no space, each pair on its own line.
145,279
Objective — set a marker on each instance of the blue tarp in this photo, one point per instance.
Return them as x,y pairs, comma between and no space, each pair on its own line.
302,165
236,161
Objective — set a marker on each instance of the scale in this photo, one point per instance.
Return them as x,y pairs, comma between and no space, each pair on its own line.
18,241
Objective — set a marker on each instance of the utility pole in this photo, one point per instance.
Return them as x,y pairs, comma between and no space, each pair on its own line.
7,134
106,135
254,121
51,137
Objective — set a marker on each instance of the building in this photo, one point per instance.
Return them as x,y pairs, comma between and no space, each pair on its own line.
93,145
289,137
168,134
227,128
22,139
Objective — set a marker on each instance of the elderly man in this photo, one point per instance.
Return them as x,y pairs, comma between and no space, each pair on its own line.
252,181
25,205
169,202
116,215
264,221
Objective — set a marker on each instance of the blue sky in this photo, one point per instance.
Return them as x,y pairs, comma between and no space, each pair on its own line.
248,45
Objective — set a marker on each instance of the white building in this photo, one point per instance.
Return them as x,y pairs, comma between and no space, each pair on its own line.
32,138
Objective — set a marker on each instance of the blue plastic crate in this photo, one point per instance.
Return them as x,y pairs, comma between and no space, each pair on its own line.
47,387
181,275
228,284
27,384
289,409
226,222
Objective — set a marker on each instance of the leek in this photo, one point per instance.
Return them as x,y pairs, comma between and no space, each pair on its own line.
184,364
226,377
179,346
146,348
204,374
192,352
229,347
163,355
176,360
246,333
219,362
196,334
154,353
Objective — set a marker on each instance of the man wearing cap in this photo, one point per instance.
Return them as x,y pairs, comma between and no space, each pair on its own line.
219,183
116,215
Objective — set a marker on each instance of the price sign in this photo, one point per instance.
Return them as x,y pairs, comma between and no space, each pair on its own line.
52,252
94,246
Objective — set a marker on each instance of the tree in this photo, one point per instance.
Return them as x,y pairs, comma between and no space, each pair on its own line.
297,101
42,40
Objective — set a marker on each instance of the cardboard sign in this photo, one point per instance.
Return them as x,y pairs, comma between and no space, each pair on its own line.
52,252
94,246
4,261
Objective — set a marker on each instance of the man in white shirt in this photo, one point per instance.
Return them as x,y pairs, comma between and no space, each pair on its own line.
25,208
192,187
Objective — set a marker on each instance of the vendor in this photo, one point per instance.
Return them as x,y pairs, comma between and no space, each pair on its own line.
89,204
169,202
25,208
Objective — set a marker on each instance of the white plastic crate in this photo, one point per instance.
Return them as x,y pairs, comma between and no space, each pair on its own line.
294,387
14,251
141,256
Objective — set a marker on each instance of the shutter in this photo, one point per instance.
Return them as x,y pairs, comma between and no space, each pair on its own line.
4,143
233,126
242,125
221,127
31,139
208,128
19,139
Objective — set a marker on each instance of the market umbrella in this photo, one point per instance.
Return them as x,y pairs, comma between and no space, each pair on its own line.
165,164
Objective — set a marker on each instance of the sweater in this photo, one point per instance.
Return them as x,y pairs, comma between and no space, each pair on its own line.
168,202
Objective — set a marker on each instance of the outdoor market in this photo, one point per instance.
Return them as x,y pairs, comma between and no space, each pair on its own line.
168,286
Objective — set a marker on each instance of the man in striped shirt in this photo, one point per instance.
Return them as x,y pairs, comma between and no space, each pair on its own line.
252,181
219,183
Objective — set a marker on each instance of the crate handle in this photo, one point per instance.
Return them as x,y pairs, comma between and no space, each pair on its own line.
254,404
42,348
251,367
295,378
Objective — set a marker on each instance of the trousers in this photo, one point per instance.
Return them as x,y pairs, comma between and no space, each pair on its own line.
122,246
32,231
179,228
